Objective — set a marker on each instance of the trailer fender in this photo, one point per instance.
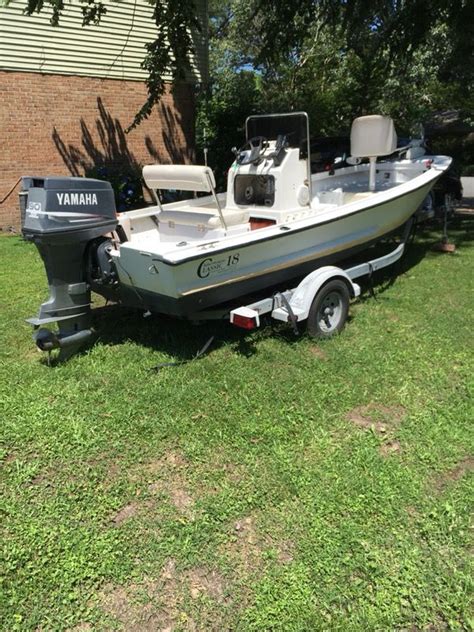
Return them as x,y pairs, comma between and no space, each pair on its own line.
304,294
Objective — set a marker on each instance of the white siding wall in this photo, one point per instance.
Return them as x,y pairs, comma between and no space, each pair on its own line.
114,49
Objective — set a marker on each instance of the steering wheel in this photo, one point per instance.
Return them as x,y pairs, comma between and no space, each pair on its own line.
257,146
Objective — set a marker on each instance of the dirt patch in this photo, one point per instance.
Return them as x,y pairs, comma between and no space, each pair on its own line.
151,606
41,479
8,458
317,352
441,626
465,466
201,581
245,545
127,606
163,476
181,499
159,605
285,552
125,513
170,460
234,472
81,627
376,417
245,530
390,447
170,474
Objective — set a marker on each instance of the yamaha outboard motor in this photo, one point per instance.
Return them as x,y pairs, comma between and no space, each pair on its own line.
62,216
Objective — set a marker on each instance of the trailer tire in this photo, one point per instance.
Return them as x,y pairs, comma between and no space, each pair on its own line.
329,310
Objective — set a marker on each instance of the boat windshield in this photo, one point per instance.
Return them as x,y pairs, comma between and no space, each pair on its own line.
294,126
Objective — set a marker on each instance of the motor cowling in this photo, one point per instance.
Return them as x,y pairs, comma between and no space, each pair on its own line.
57,204
62,216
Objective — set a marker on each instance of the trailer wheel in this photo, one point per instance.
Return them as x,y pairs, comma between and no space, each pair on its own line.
329,309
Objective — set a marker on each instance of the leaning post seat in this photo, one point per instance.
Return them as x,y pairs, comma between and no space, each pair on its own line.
179,177
182,178
373,136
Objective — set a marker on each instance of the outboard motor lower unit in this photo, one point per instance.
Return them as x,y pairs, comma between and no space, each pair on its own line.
62,216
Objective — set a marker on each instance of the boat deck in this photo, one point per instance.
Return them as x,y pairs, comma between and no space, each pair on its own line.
196,223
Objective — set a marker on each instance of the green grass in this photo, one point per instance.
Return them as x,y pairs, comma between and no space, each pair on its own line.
275,484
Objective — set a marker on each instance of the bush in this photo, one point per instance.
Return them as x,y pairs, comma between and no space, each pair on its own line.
127,186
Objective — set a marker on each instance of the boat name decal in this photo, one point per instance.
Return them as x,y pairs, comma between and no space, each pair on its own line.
216,266
77,199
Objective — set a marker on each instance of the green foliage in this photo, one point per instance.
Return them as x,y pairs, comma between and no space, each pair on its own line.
221,117
335,60
468,171
127,185
380,33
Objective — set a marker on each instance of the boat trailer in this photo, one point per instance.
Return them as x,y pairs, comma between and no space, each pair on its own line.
321,298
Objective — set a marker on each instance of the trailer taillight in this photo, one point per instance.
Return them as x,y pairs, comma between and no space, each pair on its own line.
245,322
245,318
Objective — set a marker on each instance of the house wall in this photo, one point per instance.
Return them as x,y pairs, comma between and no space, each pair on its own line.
68,93
112,49
60,125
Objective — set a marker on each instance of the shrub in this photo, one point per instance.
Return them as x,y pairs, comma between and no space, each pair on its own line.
127,186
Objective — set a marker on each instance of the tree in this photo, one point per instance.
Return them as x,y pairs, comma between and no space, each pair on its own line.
351,53
377,39
334,59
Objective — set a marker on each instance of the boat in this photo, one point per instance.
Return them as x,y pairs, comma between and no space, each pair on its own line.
275,223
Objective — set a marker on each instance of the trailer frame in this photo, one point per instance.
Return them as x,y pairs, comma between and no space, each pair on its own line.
295,305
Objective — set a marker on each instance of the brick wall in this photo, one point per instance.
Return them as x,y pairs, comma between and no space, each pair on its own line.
64,125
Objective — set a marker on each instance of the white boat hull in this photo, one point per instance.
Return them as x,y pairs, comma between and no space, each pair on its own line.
267,256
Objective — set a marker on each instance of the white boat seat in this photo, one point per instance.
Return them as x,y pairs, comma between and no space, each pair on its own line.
179,177
372,136
190,178
206,217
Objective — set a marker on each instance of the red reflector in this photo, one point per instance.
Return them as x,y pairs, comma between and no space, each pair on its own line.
246,322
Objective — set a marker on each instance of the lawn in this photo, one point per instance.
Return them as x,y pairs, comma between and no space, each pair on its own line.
275,484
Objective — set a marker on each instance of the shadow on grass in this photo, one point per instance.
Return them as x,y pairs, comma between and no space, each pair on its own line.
180,339
460,232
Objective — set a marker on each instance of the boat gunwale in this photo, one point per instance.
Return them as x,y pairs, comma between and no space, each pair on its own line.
276,232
